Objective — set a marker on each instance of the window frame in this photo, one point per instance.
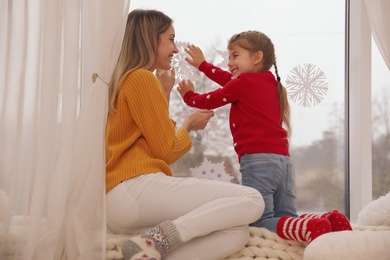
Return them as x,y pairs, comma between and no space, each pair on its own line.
358,123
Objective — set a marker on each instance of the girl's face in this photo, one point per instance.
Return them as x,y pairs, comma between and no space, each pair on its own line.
166,48
243,61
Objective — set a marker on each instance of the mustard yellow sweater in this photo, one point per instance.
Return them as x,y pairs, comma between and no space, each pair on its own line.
140,136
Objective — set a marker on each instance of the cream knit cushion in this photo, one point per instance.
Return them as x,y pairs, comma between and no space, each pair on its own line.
363,243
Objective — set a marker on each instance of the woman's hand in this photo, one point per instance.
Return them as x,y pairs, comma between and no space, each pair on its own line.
196,54
167,80
198,120
184,87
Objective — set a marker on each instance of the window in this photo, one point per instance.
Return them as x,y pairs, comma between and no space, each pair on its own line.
310,50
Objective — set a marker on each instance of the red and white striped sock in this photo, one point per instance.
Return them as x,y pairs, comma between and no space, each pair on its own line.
337,220
302,229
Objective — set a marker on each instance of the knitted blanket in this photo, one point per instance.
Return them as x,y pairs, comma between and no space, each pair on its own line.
263,244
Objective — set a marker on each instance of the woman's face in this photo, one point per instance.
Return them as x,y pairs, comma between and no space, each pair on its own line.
166,48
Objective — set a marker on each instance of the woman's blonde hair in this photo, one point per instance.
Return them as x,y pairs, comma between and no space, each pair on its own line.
139,46
254,41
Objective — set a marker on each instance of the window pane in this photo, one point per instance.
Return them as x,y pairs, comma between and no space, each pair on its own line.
310,59
380,81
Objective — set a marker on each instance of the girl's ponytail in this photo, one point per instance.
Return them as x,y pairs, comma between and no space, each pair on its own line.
283,103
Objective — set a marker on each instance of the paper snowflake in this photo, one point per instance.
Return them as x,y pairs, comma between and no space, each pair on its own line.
183,69
307,85
211,171
225,59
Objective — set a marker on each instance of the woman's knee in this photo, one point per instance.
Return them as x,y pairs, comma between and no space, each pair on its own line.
258,202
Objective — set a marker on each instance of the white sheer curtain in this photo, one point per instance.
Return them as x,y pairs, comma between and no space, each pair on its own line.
52,123
379,16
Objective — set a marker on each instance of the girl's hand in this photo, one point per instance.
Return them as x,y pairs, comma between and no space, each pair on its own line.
196,55
167,79
184,87
198,120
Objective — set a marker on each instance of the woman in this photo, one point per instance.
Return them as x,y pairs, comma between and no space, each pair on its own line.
171,217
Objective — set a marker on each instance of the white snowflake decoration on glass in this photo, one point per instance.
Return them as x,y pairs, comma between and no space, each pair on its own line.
225,59
212,123
211,171
182,68
307,85
185,71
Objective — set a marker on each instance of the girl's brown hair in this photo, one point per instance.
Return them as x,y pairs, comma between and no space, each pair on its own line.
254,41
139,46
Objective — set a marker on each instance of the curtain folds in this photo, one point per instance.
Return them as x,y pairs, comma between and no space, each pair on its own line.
52,123
378,14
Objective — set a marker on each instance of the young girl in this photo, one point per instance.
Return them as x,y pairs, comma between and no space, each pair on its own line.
259,110
174,218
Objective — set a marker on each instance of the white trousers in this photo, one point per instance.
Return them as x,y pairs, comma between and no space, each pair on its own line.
211,217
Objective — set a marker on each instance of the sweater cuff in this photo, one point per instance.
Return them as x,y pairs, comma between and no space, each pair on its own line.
186,96
203,66
182,134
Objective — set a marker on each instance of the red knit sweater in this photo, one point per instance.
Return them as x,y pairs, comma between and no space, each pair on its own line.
254,119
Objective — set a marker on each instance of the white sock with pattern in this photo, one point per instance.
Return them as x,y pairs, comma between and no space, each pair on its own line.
152,244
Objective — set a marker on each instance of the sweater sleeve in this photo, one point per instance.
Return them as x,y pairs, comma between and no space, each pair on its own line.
228,94
149,109
214,73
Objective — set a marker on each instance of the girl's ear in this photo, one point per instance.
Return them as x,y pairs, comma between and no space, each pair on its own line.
258,57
